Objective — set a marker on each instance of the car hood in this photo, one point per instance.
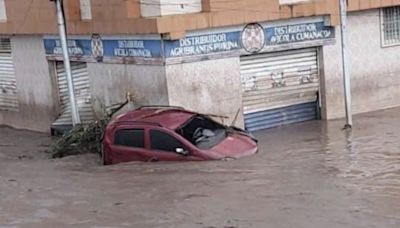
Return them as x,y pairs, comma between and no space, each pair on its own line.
235,145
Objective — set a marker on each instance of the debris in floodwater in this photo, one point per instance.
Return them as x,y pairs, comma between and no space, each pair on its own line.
23,157
7,145
85,139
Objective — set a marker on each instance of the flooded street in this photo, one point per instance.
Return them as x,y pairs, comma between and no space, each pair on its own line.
306,175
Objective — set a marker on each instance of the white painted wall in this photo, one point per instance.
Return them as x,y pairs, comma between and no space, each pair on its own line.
36,91
211,87
110,82
375,71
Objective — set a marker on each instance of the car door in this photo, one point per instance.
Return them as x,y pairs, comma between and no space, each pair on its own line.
164,146
128,144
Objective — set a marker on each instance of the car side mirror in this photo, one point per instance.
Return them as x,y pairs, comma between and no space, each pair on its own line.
182,151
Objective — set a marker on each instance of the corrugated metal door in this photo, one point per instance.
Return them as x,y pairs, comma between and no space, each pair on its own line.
82,94
279,88
8,84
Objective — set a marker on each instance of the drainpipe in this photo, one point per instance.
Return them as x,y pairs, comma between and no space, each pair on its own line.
67,65
346,64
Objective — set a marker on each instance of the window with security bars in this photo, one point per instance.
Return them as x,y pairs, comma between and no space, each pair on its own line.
390,26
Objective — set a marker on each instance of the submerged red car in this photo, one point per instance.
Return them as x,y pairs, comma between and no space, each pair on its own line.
172,134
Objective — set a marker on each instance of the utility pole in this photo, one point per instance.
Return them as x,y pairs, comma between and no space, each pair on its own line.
67,65
345,63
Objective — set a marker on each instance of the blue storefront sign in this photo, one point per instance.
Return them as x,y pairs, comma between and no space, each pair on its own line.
253,38
202,45
132,48
124,48
76,47
298,33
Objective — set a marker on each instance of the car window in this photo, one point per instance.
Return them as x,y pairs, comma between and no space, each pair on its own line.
203,132
163,141
130,138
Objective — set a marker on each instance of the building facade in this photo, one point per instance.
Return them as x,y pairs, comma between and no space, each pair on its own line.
262,64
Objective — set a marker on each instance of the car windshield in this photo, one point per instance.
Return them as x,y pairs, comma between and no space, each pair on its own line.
203,132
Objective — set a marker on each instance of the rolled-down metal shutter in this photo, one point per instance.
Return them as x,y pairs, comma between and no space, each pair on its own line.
8,84
279,88
82,94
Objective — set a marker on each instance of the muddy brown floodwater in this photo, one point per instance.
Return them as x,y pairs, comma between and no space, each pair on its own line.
306,175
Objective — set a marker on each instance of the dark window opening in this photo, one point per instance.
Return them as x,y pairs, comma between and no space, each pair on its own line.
203,132
130,138
163,141
391,25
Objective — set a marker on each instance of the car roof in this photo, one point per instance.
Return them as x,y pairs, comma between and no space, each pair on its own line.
168,117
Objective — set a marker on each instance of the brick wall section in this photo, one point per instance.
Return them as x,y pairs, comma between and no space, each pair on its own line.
355,5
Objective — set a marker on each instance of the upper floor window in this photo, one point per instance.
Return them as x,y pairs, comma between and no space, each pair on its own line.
293,2
390,19
3,12
157,8
86,9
